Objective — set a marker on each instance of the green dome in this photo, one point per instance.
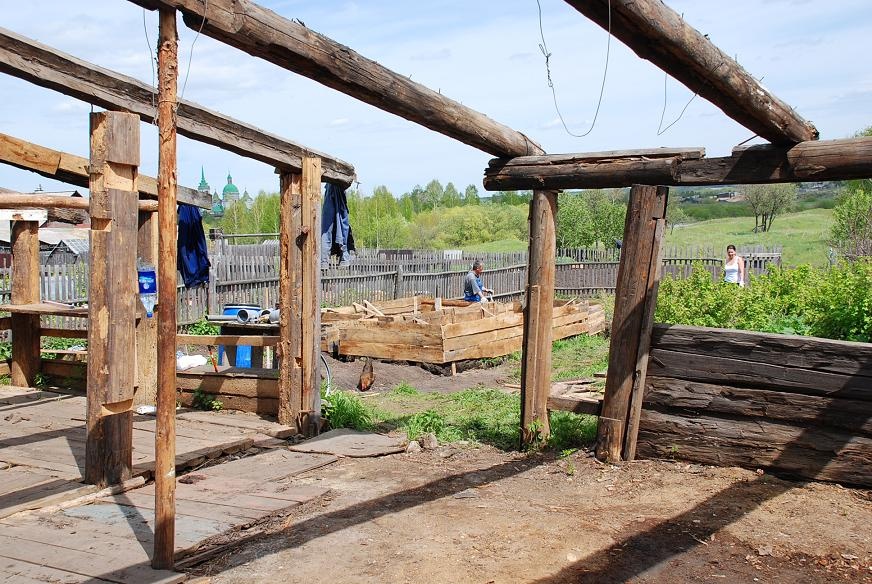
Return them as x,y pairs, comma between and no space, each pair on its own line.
230,189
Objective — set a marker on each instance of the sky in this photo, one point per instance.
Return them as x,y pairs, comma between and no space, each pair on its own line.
812,54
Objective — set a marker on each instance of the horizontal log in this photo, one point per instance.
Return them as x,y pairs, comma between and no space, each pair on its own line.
31,201
809,453
261,383
738,373
814,353
64,333
233,340
658,34
290,45
684,398
47,67
607,155
264,406
850,158
576,405
73,169
64,369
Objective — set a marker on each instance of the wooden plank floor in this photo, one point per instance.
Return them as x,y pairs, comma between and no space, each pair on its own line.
110,538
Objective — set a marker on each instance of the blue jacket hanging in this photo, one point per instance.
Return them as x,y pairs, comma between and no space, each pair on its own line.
336,237
193,257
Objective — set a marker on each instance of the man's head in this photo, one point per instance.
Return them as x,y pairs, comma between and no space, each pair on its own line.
477,267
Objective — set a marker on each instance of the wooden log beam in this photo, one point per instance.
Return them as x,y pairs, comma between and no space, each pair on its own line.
808,452
24,240
111,297
290,45
29,201
647,205
165,423
247,340
73,169
844,159
658,34
538,316
47,67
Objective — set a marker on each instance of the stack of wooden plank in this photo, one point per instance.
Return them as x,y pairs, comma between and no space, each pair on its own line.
797,405
436,332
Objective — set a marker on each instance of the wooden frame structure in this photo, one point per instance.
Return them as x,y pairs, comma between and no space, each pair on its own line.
653,30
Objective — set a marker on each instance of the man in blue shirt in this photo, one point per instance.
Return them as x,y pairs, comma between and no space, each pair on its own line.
473,290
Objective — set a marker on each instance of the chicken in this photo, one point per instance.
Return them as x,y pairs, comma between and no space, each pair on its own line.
367,378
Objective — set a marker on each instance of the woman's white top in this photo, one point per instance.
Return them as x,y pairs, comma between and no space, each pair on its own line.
731,271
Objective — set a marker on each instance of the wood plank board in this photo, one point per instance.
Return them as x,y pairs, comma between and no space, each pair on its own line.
113,569
244,421
272,465
44,309
351,443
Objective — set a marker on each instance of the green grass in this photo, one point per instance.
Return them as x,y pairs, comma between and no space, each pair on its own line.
479,415
497,246
804,235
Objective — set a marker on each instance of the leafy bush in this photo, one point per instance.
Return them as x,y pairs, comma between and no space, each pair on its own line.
205,401
345,410
202,327
421,423
404,389
832,303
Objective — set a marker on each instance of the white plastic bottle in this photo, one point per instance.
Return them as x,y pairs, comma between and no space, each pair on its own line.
147,286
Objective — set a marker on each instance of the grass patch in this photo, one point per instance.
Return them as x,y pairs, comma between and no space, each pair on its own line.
580,356
345,410
804,235
497,246
480,415
404,389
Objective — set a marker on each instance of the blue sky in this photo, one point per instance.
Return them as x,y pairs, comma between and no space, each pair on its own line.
812,54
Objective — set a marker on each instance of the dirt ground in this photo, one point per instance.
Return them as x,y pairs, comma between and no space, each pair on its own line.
465,513
475,514
345,375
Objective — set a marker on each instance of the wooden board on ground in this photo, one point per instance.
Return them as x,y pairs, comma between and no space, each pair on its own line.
272,465
351,443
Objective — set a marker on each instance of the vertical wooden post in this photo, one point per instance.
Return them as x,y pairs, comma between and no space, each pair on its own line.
638,394
310,407
146,328
289,348
25,290
536,356
165,435
112,296
647,205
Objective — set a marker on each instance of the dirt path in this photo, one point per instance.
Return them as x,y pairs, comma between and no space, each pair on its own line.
345,375
463,514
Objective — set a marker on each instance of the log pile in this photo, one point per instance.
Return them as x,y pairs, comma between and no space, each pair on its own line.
799,406
425,330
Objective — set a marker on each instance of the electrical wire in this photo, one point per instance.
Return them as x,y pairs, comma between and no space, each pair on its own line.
544,48
191,53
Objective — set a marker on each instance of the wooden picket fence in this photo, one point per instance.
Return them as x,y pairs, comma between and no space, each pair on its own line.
248,274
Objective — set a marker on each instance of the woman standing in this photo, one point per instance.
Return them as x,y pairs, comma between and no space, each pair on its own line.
734,267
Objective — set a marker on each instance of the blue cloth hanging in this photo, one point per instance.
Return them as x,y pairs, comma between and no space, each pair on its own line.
336,236
193,257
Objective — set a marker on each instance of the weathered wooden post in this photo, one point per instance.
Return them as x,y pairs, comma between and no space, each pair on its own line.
637,278
112,296
289,350
25,290
311,296
146,328
536,356
299,293
165,434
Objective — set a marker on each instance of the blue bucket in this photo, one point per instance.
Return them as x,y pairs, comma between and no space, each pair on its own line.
243,352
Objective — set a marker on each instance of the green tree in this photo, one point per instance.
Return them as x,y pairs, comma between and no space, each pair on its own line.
470,196
852,223
590,218
450,196
432,195
767,201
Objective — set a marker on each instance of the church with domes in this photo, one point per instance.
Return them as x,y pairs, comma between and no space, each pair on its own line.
229,195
